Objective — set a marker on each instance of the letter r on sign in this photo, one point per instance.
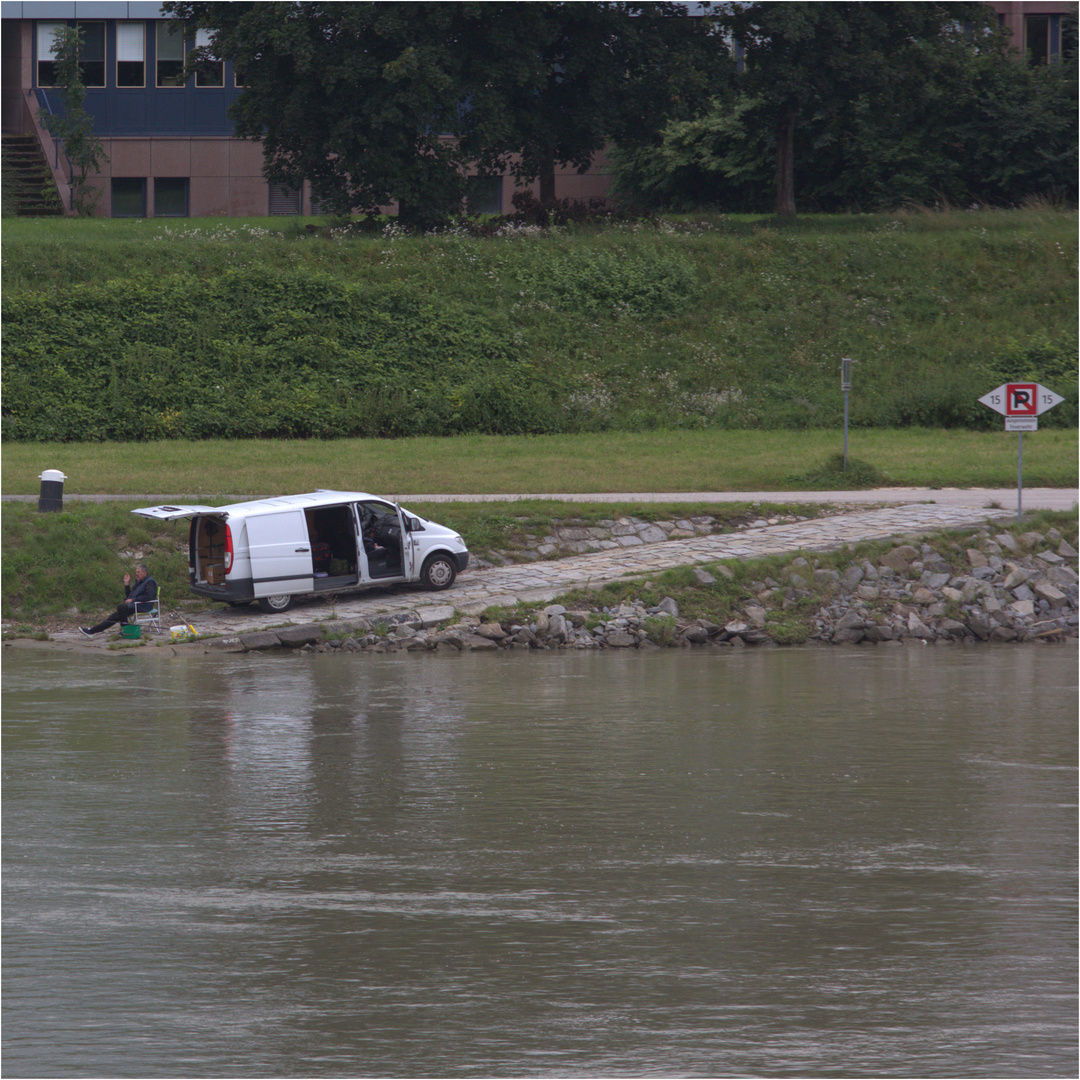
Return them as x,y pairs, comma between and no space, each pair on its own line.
1021,399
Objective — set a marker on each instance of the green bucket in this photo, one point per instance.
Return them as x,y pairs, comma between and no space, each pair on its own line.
131,631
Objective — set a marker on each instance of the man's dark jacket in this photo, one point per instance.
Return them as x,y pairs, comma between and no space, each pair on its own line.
142,591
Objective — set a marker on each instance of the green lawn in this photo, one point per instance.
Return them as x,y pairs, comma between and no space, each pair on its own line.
666,461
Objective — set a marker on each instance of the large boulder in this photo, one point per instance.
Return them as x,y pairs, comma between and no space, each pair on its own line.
900,558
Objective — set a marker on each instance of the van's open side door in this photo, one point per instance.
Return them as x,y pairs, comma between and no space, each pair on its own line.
408,547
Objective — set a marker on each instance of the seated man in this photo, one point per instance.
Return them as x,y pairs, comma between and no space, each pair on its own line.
143,591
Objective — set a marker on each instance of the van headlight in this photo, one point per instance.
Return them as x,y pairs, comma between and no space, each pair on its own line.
459,540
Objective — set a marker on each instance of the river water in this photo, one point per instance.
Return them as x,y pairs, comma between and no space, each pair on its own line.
847,862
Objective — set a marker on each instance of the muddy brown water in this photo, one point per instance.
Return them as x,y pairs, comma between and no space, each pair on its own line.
771,863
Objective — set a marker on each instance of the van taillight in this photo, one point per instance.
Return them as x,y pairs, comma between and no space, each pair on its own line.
228,549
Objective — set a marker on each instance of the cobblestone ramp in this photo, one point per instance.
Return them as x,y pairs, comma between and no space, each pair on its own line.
504,586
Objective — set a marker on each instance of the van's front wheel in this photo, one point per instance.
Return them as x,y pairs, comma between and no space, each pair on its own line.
275,604
438,573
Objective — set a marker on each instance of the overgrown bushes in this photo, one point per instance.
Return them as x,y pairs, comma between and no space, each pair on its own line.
162,331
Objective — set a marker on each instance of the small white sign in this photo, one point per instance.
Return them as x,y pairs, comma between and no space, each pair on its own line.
1021,423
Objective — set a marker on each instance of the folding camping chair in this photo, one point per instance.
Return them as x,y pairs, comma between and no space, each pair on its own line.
148,613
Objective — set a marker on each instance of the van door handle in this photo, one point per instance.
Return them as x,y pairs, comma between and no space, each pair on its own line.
301,550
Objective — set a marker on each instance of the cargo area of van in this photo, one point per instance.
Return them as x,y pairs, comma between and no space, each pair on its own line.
210,546
333,546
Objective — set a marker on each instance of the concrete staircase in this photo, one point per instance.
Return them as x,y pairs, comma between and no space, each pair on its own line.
28,186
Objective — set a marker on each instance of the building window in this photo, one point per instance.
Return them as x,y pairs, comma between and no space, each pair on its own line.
1049,37
91,53
130,54
170,55
1037,38
483,194
46,52
170,196
284,200
128,196
208,72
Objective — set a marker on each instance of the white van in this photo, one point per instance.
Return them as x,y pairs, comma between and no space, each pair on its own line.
272,550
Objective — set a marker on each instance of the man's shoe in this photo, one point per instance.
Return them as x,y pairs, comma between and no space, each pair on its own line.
86,632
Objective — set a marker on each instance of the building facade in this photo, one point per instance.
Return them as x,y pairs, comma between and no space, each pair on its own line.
169,149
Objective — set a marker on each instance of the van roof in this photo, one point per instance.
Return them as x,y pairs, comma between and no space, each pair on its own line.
254,507
311,498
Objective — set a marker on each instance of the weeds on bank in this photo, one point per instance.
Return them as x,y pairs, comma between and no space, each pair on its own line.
24,631
697,322
836,475
75,560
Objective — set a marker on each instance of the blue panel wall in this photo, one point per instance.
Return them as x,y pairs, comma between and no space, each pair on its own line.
187,110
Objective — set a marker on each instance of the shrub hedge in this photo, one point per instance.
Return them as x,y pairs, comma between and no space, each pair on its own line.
696,323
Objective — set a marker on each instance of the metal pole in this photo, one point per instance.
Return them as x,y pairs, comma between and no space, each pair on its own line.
1019,476
845,385
845,428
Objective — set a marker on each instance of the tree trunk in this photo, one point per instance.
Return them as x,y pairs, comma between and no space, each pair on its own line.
547,176
785,164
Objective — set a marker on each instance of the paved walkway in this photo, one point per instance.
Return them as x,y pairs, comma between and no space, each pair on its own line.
1033,498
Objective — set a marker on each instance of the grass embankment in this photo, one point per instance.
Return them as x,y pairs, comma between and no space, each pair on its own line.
669,461
125,330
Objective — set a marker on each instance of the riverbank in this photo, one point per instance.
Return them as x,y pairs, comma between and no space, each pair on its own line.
871,578
1002,588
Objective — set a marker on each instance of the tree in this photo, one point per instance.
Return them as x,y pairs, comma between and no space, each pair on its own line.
811,59
381,102
561,80
971,123
74,125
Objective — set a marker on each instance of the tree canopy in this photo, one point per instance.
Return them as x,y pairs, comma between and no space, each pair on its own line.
947,113
810,58
376,103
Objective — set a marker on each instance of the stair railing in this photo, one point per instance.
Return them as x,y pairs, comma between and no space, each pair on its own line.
58,142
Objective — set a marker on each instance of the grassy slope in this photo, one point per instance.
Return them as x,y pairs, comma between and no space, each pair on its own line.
700,322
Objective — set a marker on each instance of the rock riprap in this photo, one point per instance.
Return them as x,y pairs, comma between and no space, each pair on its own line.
988,588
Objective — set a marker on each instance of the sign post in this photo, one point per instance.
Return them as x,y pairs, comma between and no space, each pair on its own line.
845,385
1020,403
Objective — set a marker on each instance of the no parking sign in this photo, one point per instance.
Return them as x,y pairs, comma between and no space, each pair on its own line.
1020,403
1020,400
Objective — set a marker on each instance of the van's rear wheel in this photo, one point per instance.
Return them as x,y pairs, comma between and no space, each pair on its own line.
438,573
274,604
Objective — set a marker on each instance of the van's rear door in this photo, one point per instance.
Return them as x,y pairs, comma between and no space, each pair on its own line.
280,553
176,513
